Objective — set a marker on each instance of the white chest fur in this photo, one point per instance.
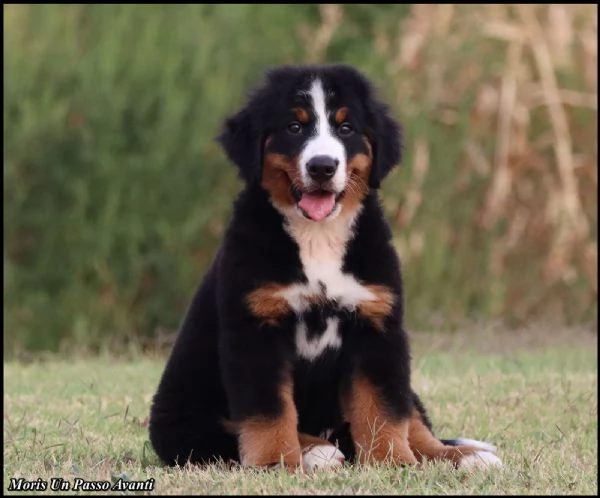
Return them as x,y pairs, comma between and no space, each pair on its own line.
312,348
322,247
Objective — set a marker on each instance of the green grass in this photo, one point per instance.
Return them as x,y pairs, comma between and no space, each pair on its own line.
531,392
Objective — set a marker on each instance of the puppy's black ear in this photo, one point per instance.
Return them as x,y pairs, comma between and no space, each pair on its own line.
241,139
386,136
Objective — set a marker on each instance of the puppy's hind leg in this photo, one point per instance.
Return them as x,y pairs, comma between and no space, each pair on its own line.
463,453
177,441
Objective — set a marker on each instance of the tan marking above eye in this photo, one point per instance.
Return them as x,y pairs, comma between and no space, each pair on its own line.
341,115
301,115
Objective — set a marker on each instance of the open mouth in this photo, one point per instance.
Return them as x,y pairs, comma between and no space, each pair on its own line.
317,204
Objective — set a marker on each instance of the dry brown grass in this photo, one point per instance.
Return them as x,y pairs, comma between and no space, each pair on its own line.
530,72
494,209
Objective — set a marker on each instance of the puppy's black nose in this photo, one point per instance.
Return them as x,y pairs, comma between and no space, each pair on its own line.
322,168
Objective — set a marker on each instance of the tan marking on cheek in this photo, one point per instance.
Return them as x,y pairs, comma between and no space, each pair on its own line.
426,446
279,171
360,165
341,115
301,115
266,305
357,184
379,308
267,441
377,437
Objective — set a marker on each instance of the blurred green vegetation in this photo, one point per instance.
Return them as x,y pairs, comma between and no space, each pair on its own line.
116,194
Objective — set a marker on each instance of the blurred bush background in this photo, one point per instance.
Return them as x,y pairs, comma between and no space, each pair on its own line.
116,195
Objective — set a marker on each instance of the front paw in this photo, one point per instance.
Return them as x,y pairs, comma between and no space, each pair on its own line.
322,456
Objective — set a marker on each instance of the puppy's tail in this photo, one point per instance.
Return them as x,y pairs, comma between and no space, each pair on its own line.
463,441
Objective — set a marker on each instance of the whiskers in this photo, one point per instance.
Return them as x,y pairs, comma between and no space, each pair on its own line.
356,186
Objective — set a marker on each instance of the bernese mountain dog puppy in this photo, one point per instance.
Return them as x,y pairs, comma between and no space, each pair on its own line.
294,350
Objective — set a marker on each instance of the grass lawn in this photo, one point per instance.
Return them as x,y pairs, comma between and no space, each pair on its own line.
532,392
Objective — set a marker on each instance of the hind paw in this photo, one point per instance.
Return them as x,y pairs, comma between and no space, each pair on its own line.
479,460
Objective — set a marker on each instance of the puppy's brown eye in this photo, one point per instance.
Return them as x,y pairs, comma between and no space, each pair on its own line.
345,129
294,128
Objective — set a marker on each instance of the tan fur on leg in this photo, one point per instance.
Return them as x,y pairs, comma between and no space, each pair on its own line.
377,437
426,446
270,441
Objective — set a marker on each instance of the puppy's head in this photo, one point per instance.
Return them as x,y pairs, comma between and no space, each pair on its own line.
316,138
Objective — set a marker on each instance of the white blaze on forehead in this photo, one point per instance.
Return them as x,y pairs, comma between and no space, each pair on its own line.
323,142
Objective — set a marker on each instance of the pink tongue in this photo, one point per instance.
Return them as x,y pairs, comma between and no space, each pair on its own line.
317,205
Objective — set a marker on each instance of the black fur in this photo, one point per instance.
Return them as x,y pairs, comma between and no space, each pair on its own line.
224,364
